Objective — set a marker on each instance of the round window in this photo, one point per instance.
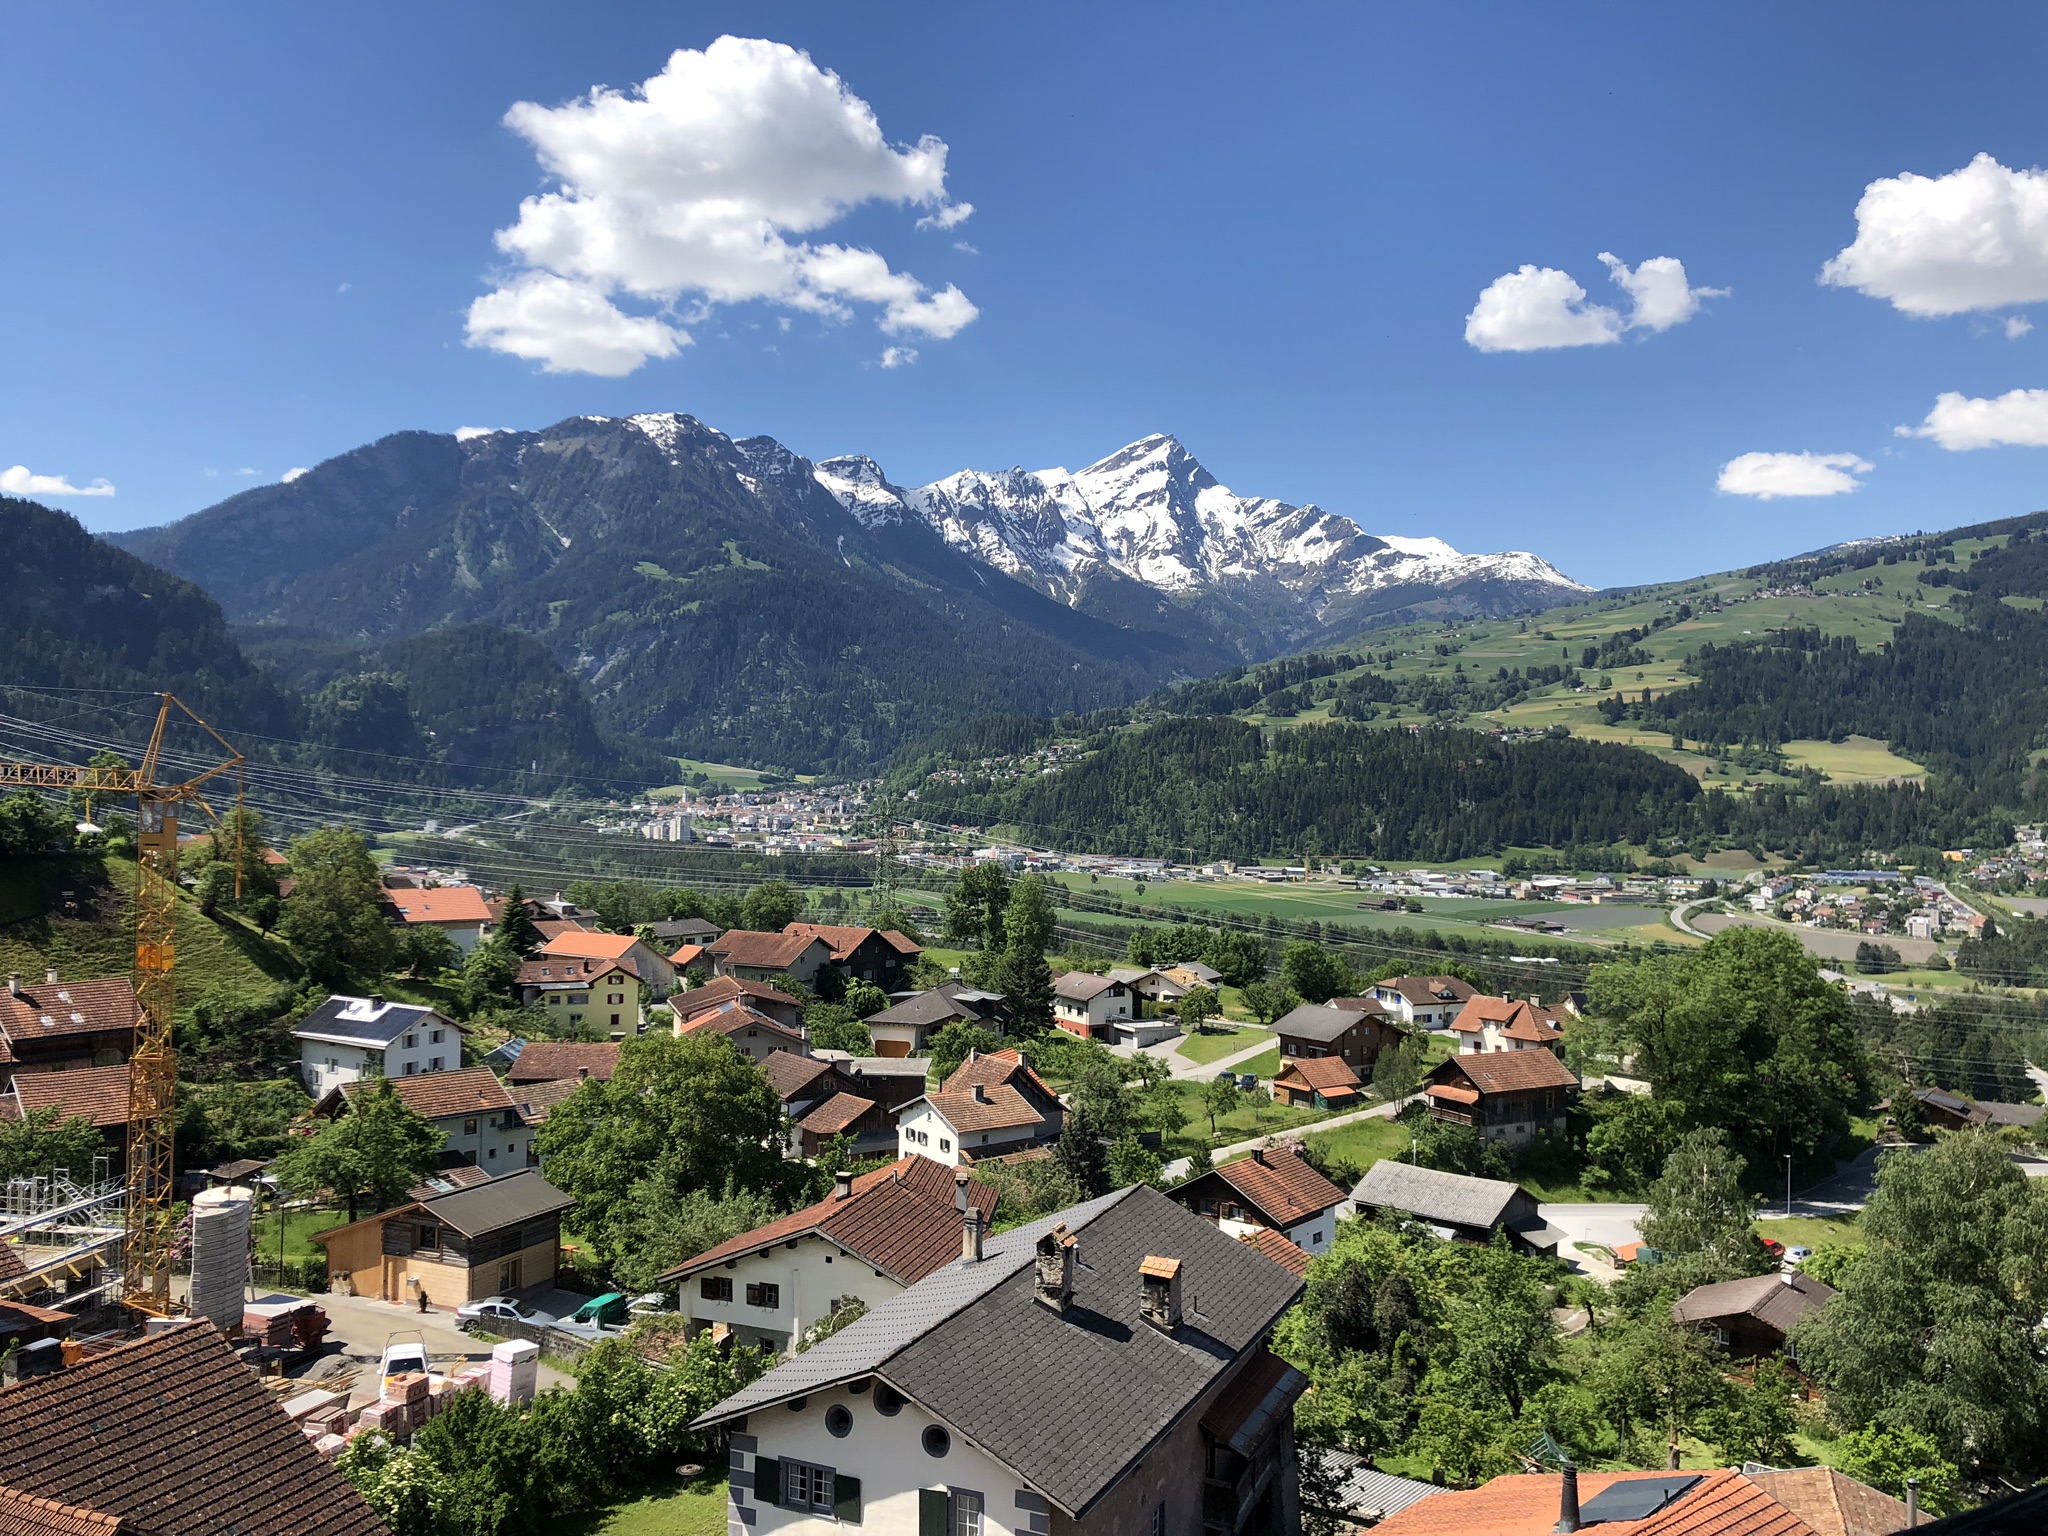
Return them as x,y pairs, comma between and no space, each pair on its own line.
936,1441
838,1421
888,1401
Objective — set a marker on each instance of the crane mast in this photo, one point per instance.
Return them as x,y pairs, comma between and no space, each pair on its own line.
153,1068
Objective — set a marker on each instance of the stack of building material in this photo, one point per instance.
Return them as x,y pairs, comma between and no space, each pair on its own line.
220,1254
330,1446
514,1371
318,1406
284,1322
385,1415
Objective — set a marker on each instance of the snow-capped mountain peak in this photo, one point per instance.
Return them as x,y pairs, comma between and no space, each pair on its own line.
1151,513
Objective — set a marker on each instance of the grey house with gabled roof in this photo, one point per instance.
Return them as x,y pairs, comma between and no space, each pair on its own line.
347,1039
1105,1369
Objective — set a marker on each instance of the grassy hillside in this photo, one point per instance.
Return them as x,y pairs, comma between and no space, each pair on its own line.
92,933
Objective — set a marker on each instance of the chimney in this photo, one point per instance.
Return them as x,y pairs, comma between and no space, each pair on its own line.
376,1000
1159,1292
50,976
842,1184
45,1357
1791,1278
1054,1281
1912,1502
970,1235
13,985
1568,1501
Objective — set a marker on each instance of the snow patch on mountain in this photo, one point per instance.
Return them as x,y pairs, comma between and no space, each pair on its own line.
1152,513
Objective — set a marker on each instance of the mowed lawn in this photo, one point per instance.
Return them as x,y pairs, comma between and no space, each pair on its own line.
1212,1044
680,1509
1858,760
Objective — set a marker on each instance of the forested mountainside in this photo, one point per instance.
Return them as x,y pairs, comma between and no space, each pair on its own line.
709,594
88,630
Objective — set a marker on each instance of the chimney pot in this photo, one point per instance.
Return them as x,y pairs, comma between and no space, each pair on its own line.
1053,1282
970,1235
1912,1502
1568,1500
842,1184
50,976
13,985
1159,1292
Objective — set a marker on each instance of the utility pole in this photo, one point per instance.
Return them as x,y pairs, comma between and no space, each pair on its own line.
1788,1183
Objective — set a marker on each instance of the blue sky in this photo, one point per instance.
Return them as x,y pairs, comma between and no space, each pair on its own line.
247,238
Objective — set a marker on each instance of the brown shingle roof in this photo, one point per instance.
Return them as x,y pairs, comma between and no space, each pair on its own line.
440,1095
1275,1247
725,989
999,1108
1424,990
1516,1019
900,1219
23,1514
1723,1503
1005,1067
845,941
538,1100
1081,986
790,1074
98,1093
728,1018
566,971
1776,1301
547,1061
1322,1074
837,1114
1832,1503
763,951
1507,1071
42,1010
1280,1182
175,1434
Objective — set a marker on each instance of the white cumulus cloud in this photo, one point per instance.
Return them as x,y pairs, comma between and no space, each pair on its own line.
1976,238
686,191
1768,476
898,357
1536,308
19,481
947,217
291,474
2016,419
464,434
2017,326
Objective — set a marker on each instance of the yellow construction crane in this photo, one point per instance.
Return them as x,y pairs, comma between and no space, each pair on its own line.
153,1069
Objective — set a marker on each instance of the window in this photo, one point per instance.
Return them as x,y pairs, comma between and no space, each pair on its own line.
945,1145
578,999
469,1126
434,1065
554,1000
436,1037
1159,1518
491,1152
412,1068
762,1294
964,1513
411,1041
806,1487
426,1237
615,998
936,1441
838,1421
715,1288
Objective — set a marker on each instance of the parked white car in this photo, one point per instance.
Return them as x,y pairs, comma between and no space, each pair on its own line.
503,1309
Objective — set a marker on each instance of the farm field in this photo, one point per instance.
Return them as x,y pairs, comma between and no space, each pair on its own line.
1858,760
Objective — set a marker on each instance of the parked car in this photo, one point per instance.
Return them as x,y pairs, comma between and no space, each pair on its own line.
1248,1082
502,1309
1773,1247
1798,1254
653,1301
1226,1076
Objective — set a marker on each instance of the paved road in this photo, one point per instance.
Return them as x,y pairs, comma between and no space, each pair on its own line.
1167,1053
1179,1166
363,1326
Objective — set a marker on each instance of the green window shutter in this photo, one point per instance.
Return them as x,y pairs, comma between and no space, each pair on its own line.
934,1512
846,1498
767,1480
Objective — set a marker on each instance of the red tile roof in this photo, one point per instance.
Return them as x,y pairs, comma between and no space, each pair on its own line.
23,1514
900,1219
538,1100
837,1114
1000,1108
727,1018
442,904
1006,1068
440,1095
583,944
763,951
12,1265
1506,1071
1280,1183
43,1010
1275,1247
1321,1074
176,1435
687,956
98,1093
547,1061
1721,1503
566,971
1833,1504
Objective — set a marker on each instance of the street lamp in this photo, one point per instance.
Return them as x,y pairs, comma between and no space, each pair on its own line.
1788,1184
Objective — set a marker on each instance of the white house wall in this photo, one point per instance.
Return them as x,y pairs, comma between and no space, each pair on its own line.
811,1276
887,1455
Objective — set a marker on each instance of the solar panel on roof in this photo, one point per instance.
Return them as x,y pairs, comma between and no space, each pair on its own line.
1637,1498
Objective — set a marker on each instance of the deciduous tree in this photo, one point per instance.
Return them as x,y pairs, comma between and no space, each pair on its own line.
335,917
374,1149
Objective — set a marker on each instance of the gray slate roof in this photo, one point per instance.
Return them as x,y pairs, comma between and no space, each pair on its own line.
1362,1490
1319,1022
354,1021
1067,1402
925,1008
503,1202
1457,1199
